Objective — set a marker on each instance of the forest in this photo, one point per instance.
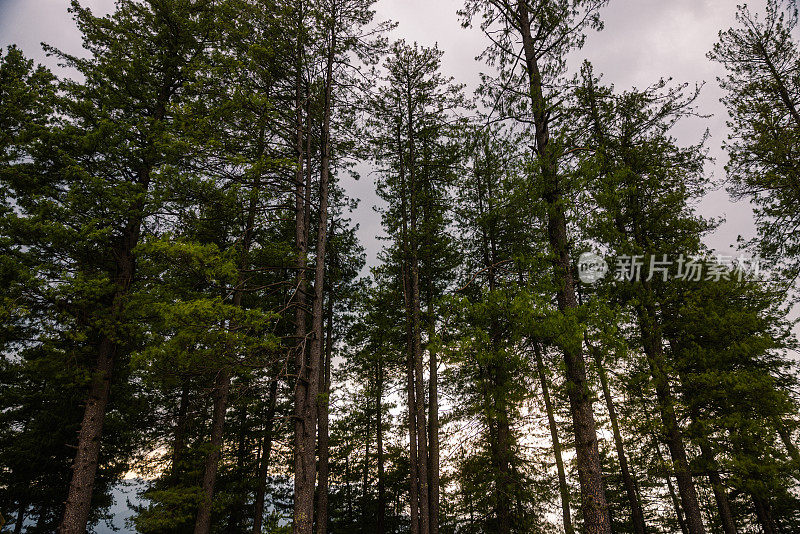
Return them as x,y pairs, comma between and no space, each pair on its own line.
546,343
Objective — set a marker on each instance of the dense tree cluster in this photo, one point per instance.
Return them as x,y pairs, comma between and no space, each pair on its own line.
186,302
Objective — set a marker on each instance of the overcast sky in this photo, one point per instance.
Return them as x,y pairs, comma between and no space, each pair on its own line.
643,40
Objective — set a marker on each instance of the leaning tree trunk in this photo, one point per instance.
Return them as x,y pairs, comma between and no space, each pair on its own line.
593,496
563,489
84,467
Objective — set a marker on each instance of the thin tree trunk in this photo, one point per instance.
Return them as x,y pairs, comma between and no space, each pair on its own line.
637,514
179,443
21,509
651,341
764,515
365,473
266,451
412,396
551,420
412,427
324,446
202,524
593,497
237,507
676,504
381,519
433,426
786,438
720,494
307,388
416,321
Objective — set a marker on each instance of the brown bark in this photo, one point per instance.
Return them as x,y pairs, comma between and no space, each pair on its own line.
84,467
266,451
637,514
593,499
563,489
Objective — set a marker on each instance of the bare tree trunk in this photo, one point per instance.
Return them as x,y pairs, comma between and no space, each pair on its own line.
222,386
323,445
637,514
563,489
412,426
21,509
179,442
308,378
416,321
412,396
433,426
84,468
676,504
381,526
266,450
365,472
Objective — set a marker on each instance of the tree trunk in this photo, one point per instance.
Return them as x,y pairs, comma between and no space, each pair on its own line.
637,514
676,504
221,389
413,396
786,438
324,446
266,450
381,519
21,509
412,428
562,478
365,473
433,426
307,388
651,341
416,321
764,515
593,498
84,468
179,443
